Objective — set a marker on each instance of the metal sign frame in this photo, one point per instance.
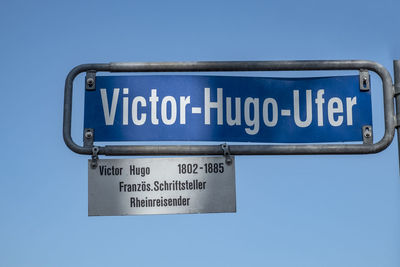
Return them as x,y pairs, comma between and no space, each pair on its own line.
389,92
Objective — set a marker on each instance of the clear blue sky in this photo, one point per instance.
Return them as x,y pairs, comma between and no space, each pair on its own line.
291,210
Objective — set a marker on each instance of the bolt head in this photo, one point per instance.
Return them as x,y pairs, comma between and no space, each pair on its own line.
88,134
90,82
367,132
93,165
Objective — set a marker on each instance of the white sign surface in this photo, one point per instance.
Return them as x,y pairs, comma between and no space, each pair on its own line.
161,186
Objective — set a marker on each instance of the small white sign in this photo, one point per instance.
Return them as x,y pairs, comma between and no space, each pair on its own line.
162,186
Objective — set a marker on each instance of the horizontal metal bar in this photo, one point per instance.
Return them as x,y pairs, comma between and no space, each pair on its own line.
207,66
230,66
165,150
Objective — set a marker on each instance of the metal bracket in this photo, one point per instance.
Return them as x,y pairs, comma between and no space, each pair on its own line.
364,80
396,89
367,134
90,81
397,123
227,153
95,157
88,137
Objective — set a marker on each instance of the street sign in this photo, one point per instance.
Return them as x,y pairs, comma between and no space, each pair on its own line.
222,108
162,186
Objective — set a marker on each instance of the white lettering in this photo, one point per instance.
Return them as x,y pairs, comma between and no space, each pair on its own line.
196,110
167,107
274,105
109,116
255,122
182,111
350,102
319,101
164,116
209,105
125,107
229,120
332,110
153,103
297,119
135,104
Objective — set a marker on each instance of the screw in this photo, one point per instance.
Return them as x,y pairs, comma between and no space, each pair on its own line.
88,135
93,164
365,82
90,82
367,132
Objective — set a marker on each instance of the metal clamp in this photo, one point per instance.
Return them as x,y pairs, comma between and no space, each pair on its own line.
396,89
397,124
227,153
88,137
95,157
90,81
364,80
367,134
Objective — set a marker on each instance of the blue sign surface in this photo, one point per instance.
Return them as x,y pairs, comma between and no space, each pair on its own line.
231,109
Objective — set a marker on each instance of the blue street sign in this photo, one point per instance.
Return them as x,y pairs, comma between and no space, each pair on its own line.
231,109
